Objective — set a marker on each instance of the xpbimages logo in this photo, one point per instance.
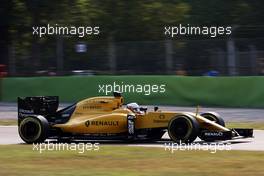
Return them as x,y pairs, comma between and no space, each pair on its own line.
78,147
80,31
188,30
146,89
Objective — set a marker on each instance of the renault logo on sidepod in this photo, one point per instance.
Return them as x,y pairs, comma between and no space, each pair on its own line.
100,123
87,123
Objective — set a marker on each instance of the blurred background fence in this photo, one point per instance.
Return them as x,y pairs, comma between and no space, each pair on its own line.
131,38
67,56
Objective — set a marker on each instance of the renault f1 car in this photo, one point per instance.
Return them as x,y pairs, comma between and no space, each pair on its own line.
106,118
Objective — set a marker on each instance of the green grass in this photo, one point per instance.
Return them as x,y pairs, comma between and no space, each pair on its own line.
130,161
8,122
254,125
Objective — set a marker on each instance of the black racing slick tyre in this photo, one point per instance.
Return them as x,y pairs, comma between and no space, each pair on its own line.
215,117
34,129
183,129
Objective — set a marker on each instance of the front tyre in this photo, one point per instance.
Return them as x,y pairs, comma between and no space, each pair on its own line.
215,117
183,128
34,129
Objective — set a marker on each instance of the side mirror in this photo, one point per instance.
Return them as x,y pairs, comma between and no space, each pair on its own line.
156,108
143,109
117,94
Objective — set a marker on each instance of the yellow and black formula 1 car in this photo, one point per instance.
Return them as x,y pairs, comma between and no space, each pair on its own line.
106,118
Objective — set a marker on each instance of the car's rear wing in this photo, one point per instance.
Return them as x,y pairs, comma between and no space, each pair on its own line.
39,105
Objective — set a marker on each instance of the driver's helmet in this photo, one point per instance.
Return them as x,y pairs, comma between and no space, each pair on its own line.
134,107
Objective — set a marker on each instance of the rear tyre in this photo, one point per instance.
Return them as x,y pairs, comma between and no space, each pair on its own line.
34,129
183,129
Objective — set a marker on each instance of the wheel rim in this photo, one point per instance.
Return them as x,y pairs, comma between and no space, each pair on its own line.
30,129
180,128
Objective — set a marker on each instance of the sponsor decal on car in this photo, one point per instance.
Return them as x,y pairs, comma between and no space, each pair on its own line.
92,107
26,111
100,123
161,119
65,115
131,127
214,133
